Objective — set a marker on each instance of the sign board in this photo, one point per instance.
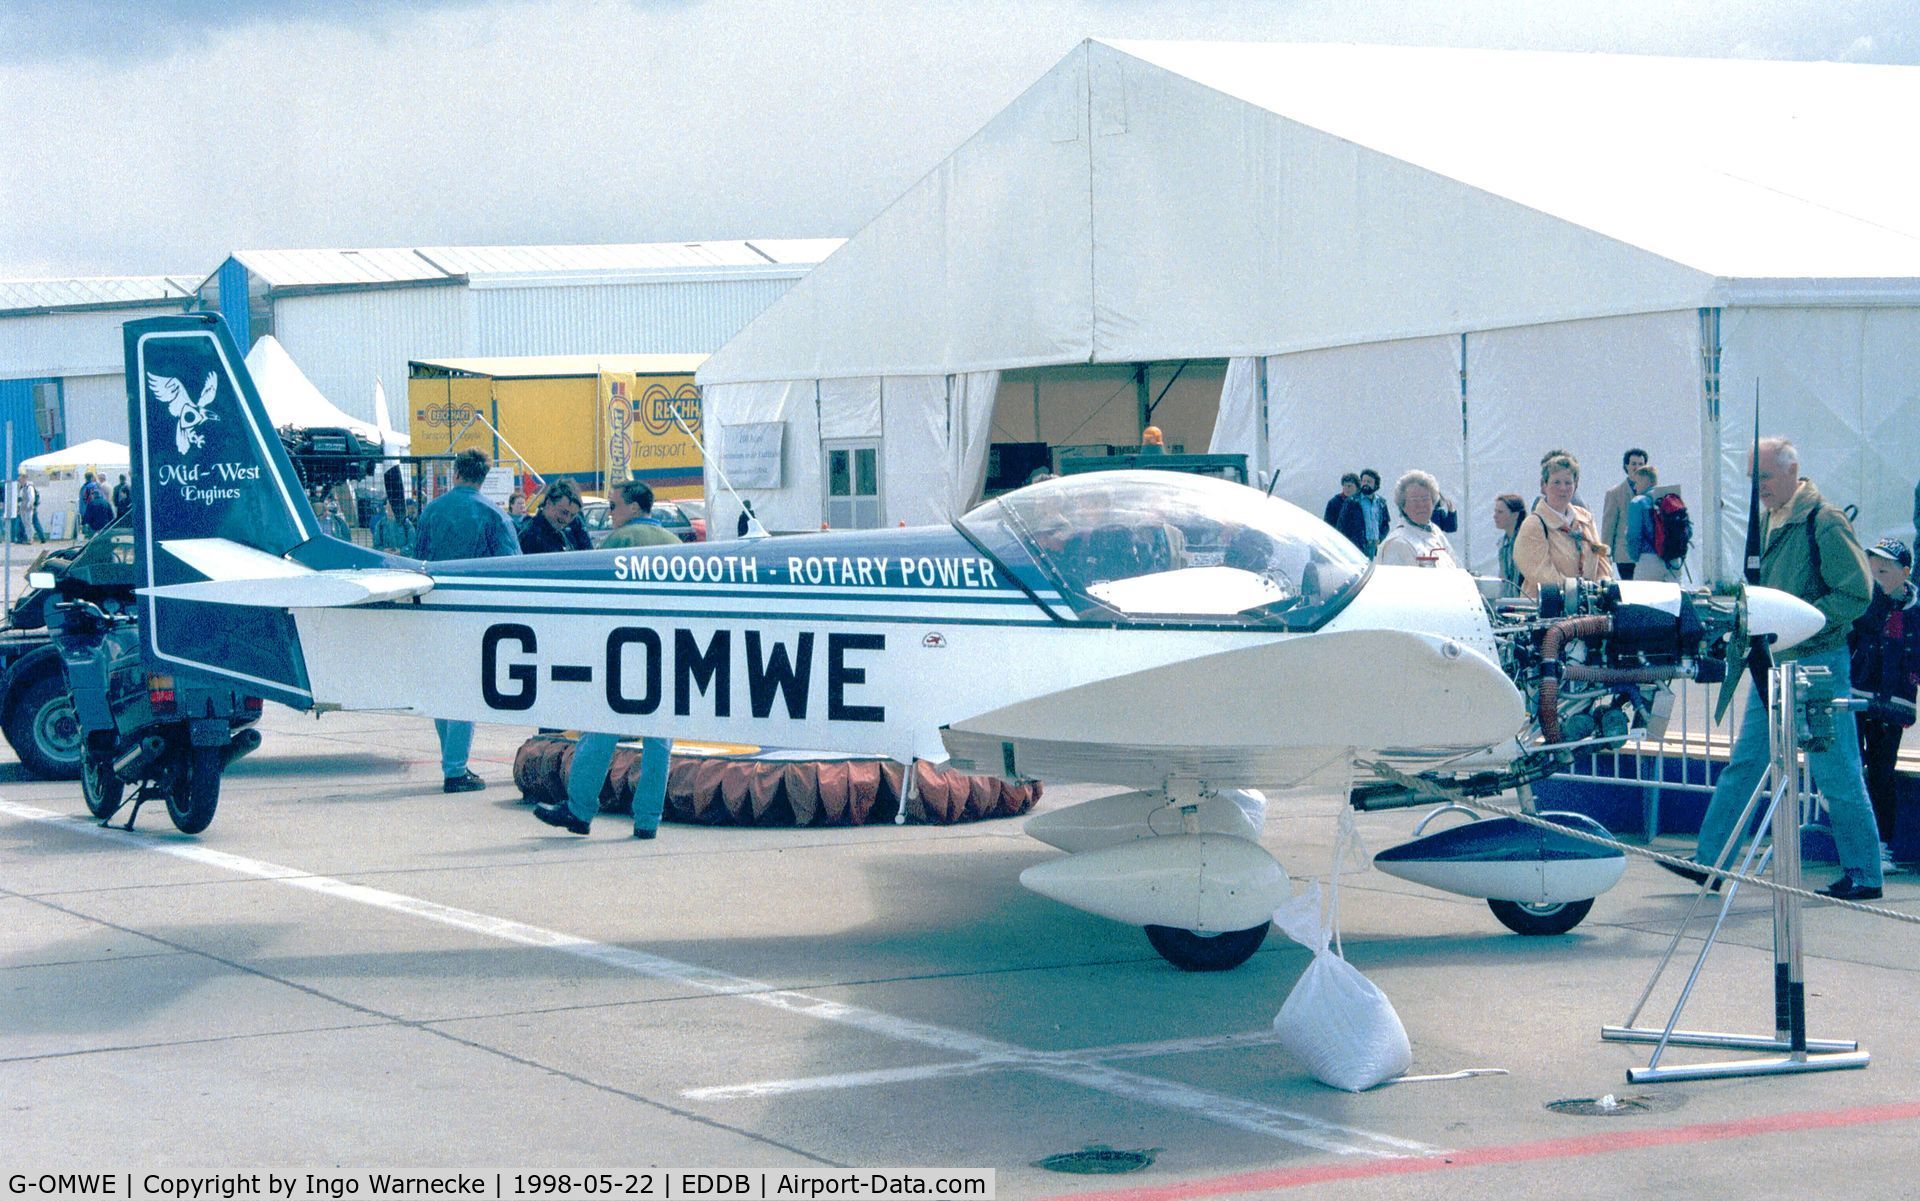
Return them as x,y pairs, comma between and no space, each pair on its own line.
498,485
751,455
645,424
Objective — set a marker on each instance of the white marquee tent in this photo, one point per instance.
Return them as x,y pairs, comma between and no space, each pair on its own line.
1449,259
291,398
58,475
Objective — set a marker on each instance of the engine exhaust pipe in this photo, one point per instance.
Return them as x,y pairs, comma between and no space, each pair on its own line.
244,743
135,761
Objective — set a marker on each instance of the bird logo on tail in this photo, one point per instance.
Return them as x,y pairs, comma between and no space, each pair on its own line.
189,412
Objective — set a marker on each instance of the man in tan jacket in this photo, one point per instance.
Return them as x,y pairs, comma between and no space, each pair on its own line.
1808,549
1613,514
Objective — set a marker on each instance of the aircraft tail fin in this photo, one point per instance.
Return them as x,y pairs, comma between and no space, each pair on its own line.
208,465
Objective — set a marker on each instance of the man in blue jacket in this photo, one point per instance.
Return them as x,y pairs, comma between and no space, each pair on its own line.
462,524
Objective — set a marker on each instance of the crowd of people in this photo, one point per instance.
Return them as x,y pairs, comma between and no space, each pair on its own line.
98,506
1809,549
463,524
1642,533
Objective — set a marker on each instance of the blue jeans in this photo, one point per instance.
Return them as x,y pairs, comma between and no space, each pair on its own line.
591,758
1836,771
456,739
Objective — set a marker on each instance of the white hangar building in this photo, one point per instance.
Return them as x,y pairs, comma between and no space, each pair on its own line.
350,318
61,379
1446,259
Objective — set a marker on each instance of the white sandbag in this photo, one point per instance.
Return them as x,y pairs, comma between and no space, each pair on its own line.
1335,1022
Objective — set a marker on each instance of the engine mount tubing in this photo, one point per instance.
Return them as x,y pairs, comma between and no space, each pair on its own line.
1557,636
1618,675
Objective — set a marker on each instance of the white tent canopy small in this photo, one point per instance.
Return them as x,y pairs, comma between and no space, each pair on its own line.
57,476
96,454
292,400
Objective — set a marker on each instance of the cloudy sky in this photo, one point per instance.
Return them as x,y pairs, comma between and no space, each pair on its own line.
155,137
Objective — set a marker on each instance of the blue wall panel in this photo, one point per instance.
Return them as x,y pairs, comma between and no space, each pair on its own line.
233,303
16,405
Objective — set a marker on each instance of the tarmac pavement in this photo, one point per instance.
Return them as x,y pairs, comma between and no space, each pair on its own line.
350,972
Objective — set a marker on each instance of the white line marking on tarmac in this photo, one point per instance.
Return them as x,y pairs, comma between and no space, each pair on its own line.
973,1067
1301,1129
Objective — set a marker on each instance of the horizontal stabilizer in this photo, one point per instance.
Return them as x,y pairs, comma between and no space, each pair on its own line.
242,575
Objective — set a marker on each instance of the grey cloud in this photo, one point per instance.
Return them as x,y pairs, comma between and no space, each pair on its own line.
115,31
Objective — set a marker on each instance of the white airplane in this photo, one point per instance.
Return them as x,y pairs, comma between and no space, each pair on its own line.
1185,638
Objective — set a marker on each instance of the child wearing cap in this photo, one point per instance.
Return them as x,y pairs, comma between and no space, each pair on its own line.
1886,673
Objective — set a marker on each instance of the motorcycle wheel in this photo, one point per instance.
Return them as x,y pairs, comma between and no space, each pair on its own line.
103,790
195,790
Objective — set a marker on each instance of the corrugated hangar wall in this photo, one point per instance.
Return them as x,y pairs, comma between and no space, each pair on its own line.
680,317
344,341
83,351
96,407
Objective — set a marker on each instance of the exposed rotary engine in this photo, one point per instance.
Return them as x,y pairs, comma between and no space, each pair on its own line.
1591,660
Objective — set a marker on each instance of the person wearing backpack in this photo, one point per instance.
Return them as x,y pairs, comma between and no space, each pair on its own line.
1642,528
96,511
1672,529
1808,549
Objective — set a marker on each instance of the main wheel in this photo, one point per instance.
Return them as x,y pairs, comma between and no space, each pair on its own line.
1191,951
1555,918
42,727
195,790
103,790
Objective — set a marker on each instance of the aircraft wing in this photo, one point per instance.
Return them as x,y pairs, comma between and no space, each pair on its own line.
1259,716
242,575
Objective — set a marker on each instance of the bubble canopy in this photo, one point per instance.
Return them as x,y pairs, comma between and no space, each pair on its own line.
1159,547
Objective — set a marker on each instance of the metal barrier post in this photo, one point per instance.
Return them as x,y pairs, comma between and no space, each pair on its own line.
1789,981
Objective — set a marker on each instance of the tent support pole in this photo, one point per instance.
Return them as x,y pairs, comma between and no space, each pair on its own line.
1712,462
1466,459
1263,446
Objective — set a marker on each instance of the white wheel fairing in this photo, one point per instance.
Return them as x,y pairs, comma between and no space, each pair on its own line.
1130,816
1207,883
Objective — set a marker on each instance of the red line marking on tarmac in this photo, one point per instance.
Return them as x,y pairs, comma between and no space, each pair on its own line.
1476,1157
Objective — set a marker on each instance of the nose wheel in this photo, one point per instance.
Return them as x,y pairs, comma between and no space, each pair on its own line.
1192,951
1551,918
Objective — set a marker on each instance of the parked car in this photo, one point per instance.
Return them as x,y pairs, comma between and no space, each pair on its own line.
696,511
597,515
669,514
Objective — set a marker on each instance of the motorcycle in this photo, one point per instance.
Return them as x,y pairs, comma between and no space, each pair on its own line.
162,735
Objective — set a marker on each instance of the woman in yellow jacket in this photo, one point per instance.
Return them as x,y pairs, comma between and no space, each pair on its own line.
1558,540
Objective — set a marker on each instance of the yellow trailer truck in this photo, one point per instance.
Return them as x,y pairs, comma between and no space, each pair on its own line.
596,419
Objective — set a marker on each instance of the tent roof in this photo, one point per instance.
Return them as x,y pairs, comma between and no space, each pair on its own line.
564,366
391,267
291,398
94,452
1155,200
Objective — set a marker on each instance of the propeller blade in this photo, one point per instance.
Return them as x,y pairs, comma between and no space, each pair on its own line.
1735,642
1759,663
